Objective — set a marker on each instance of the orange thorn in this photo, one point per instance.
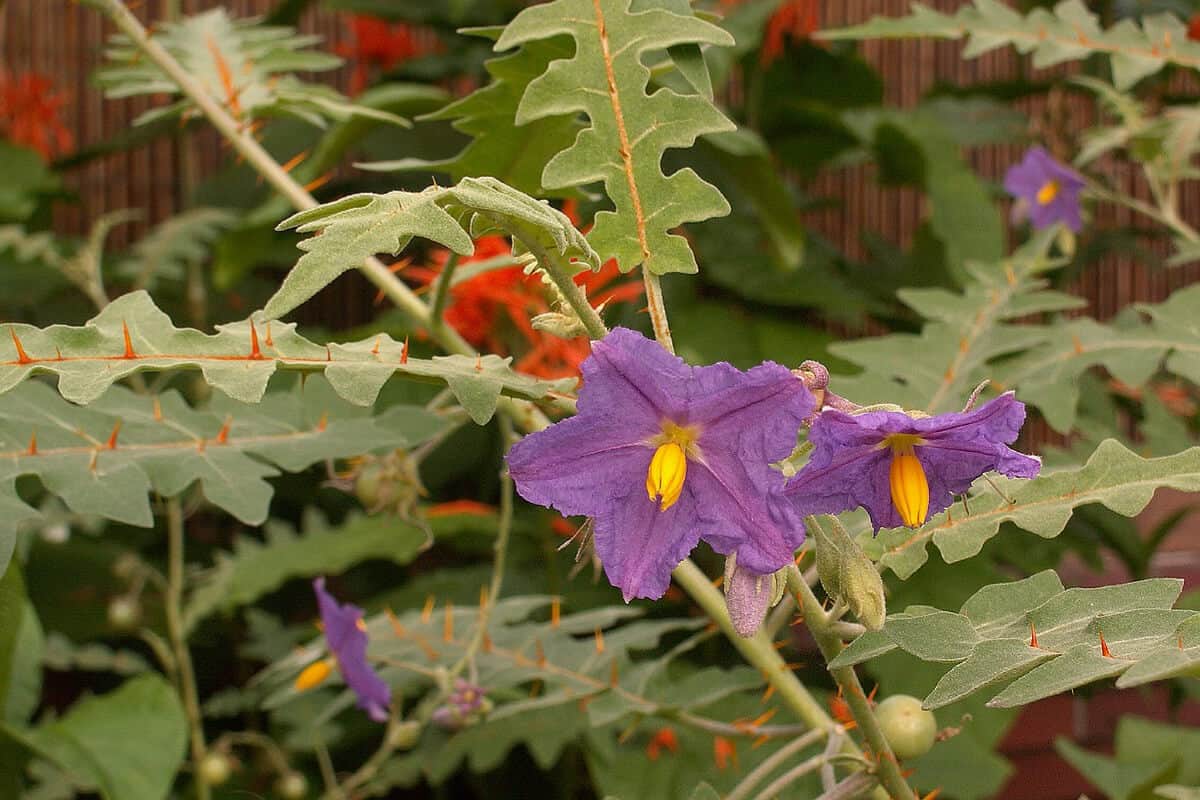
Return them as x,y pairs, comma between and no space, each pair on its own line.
92,462
760,741
404,352
1077,345
871,696
317,183
448,624
483,597
555,612
200,445
128,342
255,352
33,451
1179,642
613,677
223,434
157,410
763,718
1032,635
486,644
22,356
57,353
767,694
375,349
478,363
112,437
779,645
394,621
717,581
427,611
792,666
323,422
724,753
294,161
599,641
269,342
328,355
1104,651
540,657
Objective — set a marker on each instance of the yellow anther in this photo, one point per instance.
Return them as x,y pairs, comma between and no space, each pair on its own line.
910,489
1047,193
313,675
664,479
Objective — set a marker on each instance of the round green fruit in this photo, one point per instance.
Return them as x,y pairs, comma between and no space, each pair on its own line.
909,729
124,613
214,769
369,486
292,786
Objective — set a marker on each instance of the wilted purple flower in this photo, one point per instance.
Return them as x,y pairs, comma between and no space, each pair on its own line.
662,454
1048,190
347,639
903,469
461,707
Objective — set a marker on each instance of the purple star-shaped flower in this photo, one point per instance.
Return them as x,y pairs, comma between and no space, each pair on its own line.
903,469
347,641
662,454
1047,189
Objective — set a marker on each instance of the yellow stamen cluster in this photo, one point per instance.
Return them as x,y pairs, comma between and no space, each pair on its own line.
1047,193
664,479
313,675
910,488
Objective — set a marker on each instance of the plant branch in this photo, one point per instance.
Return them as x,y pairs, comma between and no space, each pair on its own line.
175,632
776,759
831,644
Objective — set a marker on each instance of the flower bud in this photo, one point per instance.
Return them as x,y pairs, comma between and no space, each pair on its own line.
749,596
1066,241
405,735
862,588
564,326
829,562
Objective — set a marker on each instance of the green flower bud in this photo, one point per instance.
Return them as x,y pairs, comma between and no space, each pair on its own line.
829,560
214,769
292,786
124,613
405,735
862,588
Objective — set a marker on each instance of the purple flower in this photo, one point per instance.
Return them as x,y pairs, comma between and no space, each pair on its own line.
347,639
1047,189
903,469
464,705
662,454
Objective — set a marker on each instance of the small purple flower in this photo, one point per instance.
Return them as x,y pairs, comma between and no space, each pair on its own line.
903,469
1048,190
463,706
347,639
662,454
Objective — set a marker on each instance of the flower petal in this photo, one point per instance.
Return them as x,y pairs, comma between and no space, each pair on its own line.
639,545
348,643
633,378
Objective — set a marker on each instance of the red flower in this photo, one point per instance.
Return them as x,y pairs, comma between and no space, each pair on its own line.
29,114
795,19
382,44
1194,28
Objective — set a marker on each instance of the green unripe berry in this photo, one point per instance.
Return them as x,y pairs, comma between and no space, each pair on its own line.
292,786
368,486
405,735
909,729
214,769
124,613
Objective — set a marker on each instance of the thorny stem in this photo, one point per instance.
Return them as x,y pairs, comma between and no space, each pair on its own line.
1166,213
179,647
831,644
560,272
370,766
747,784
500,550
658,311
757,650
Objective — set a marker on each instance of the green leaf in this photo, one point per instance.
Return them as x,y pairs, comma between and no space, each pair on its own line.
127,744
1082,635
20,649
1119,781
256,568
244,65
241,358
362,225
1069,33
181,241
1114,476
26,181
606,80
64,655
104,459
515,154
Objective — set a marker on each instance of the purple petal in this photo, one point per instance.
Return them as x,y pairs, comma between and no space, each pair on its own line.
348,643
639,545
633,378
1026,179
582,464
839,479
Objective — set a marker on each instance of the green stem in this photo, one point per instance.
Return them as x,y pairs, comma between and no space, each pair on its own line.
1166,215
823,631
441,291
658,311
177,637
562,274
773,761
757,650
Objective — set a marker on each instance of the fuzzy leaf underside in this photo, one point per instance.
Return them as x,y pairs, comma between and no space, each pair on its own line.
1069,32
243,65
1113,476
1127,631
359,226
629,129
240,359
106,458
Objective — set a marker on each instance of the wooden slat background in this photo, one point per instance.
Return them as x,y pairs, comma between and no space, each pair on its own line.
64,41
